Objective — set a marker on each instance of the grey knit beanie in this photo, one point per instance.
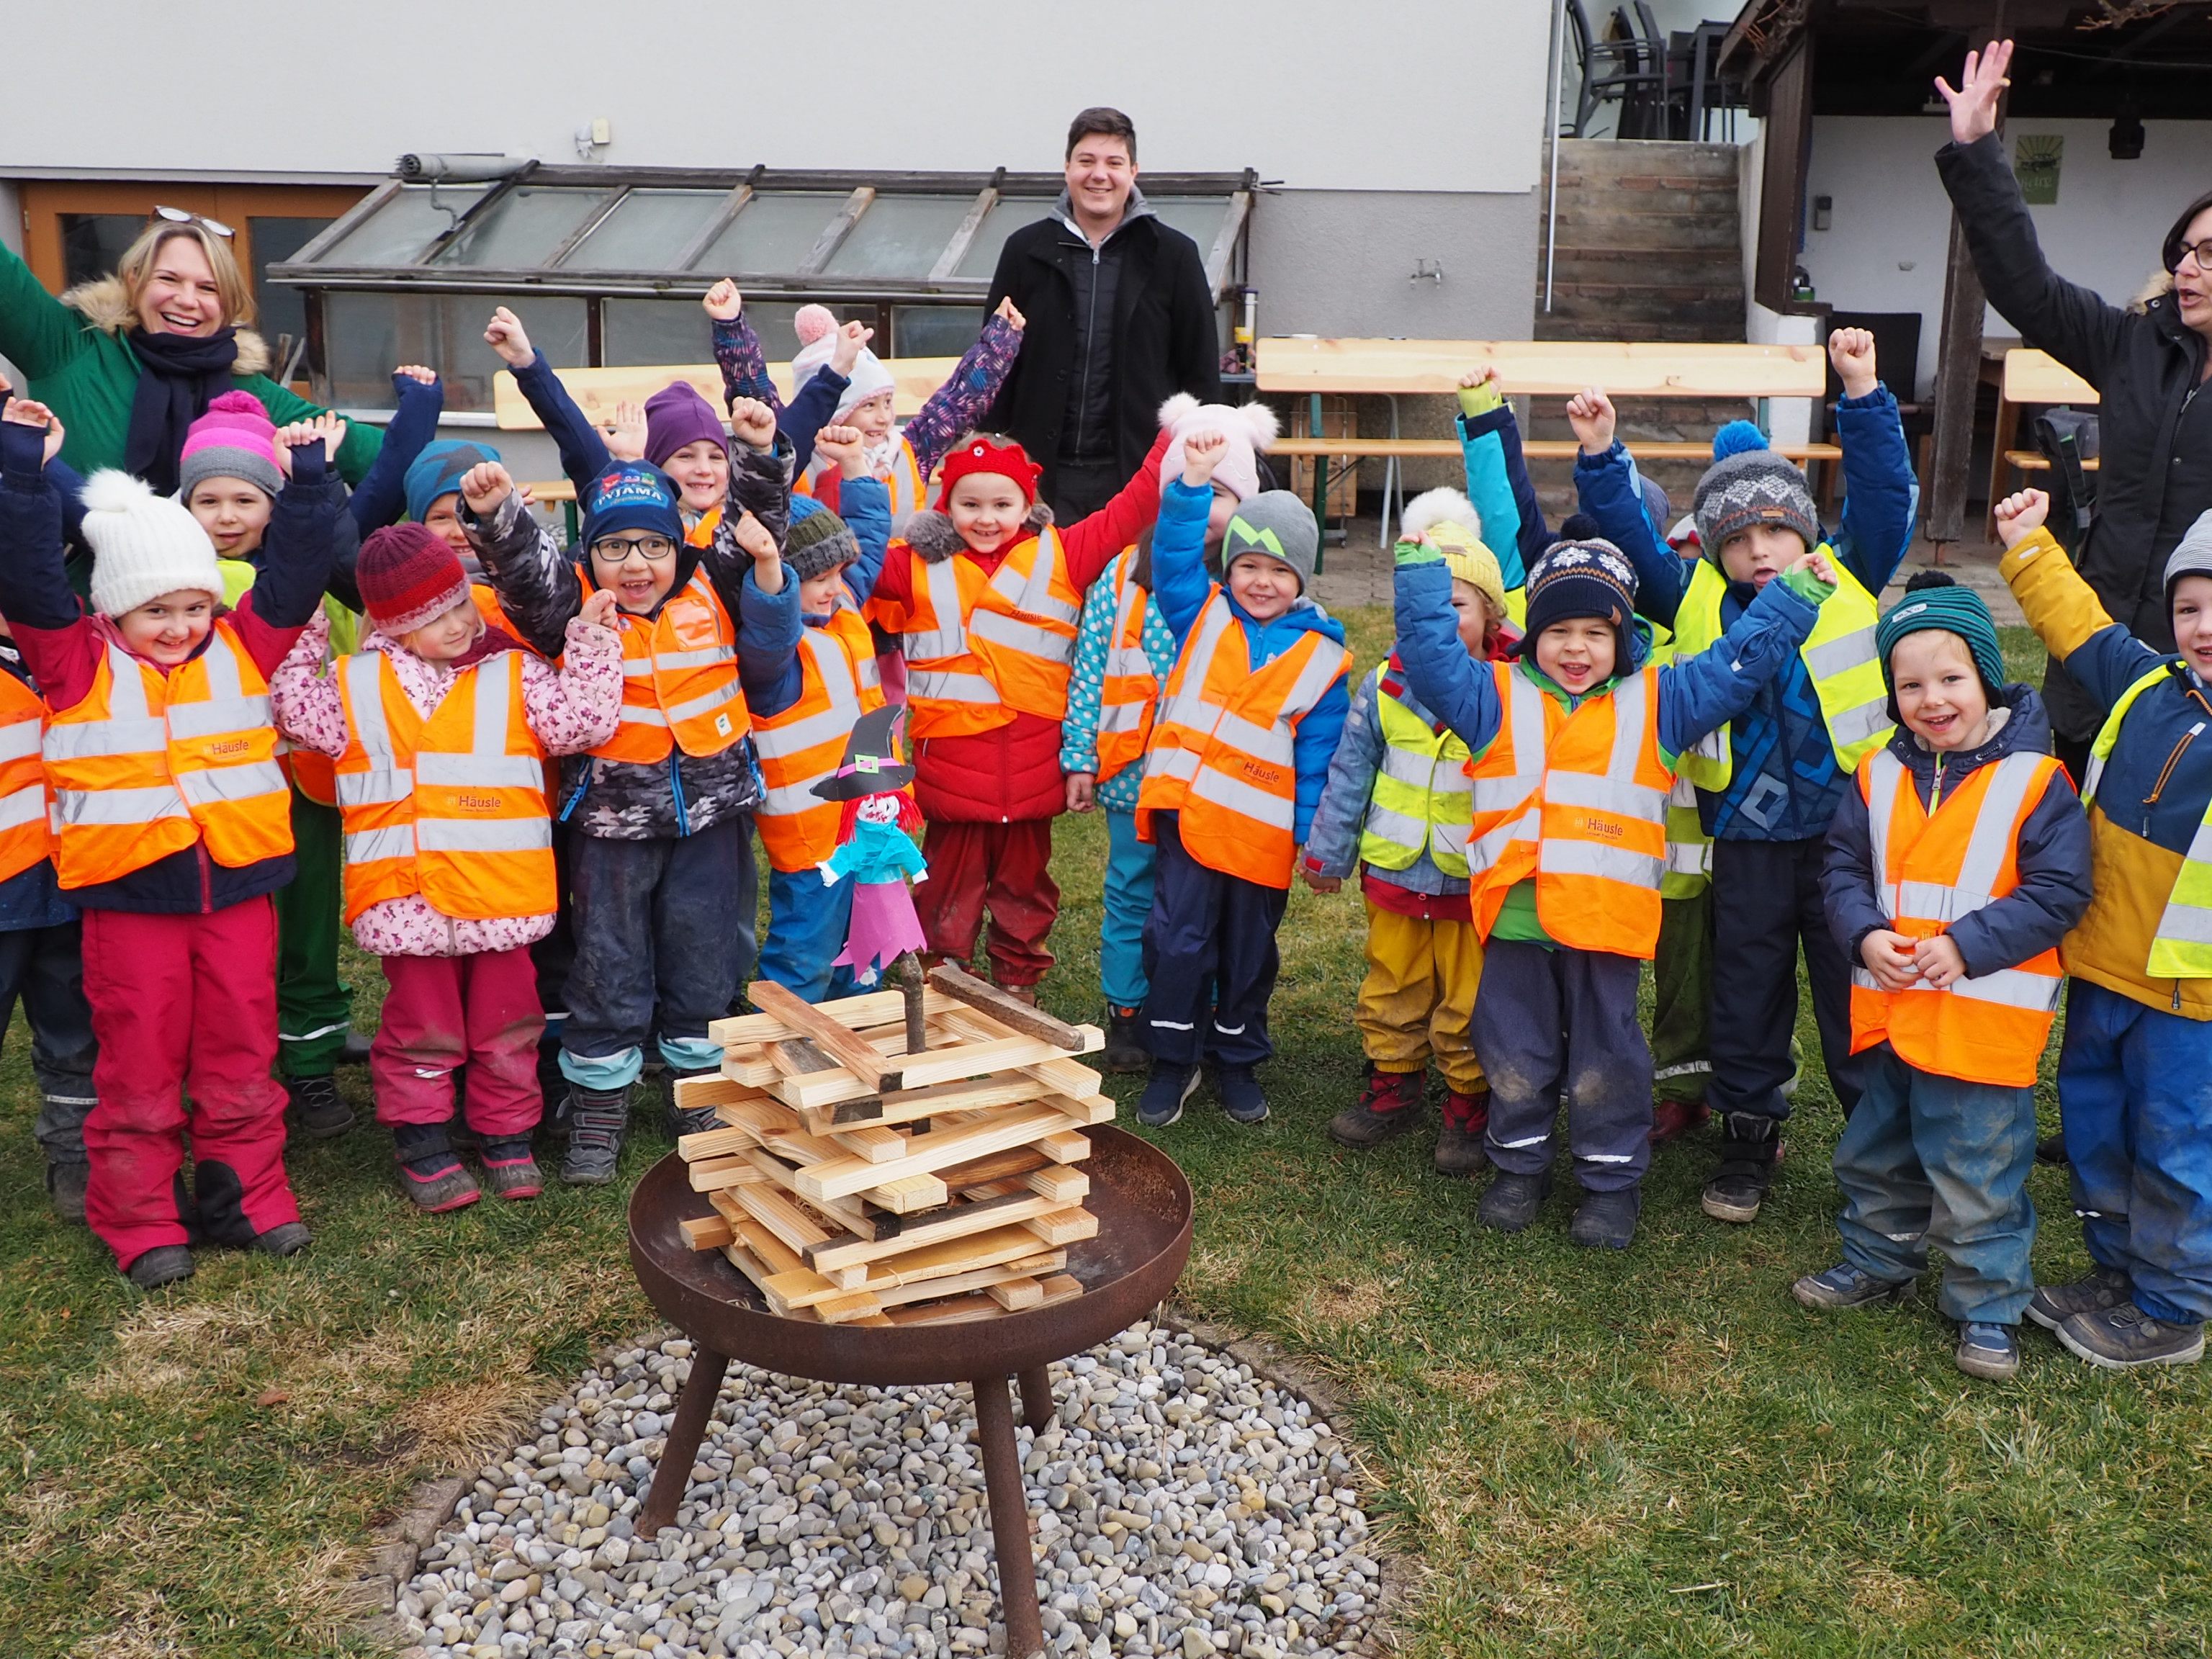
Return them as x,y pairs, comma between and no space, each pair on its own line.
2191,555
819,541
1753,487
1277,523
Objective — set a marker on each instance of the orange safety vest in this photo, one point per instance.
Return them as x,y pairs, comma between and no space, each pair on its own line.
1578,800
27,834
1132,690
902,481
980,649
1929,872
702,534
805,742
453,807
150,762
680,685
1224,749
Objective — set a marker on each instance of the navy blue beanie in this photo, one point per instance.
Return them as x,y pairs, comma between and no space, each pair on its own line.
630,495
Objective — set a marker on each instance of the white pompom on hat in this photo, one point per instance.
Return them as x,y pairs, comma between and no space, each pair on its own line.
816,328
1250,428
143,545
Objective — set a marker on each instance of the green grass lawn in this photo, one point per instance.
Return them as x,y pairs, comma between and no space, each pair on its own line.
1657,1452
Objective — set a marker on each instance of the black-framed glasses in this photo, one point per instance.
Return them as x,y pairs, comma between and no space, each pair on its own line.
616,550
176,216
2202,251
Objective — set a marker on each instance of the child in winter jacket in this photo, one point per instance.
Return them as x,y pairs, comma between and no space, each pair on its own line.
1574,745
229,475
1768,786
439,728
830,683
1234,767
984,595
1957,862
2135,1068
1398,805
663,881
1123,653
174,828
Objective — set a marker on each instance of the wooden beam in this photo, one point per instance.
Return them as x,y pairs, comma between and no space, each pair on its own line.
1021,1018
1958,372
843,1047
1640,369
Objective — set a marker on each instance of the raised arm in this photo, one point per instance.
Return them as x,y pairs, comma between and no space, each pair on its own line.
38,333
1181,586
1462,692
539,587
1498,480
1702,693
738,352
584,453
1881,495
2099,654
957,407
865,504
299,548
286,407
1606,489
380,497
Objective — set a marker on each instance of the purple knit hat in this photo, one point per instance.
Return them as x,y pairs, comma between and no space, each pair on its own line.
676,416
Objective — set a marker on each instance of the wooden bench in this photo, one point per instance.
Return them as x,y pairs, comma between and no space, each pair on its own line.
2031,379
1311,367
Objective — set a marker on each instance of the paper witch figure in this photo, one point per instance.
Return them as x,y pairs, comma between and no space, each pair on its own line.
874,847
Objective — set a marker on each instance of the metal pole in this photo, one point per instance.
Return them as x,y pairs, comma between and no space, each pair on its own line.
1551,209
695,1408
1010,1518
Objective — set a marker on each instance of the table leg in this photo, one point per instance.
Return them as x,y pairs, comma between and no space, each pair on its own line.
1036,1400
693,1408
1010,1518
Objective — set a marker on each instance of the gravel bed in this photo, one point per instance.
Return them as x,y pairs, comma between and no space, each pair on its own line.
1184,1508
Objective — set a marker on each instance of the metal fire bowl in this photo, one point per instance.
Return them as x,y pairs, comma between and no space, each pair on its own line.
1143,1204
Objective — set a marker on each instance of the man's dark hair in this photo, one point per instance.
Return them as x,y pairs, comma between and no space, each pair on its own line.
1102,121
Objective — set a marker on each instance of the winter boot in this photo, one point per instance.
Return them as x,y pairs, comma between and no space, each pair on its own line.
461,1134
1512,1201
164,1264
1459,1142
317,1107
430,1174
1125,1041
1607,1221
598,1122
2052,1306
1169,1086
1989,1352
1672,1119
1751,1142
2051,1149
1242,1098
1389,1105
66,1184
286,1238
2120,1338
1846,1287
509,1170
681,1120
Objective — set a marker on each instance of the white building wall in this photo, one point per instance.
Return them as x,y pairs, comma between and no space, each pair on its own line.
1890,227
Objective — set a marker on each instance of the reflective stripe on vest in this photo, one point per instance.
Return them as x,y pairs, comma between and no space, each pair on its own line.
1575,800
1130,691
151,762
1223,747
1422,800
980,649
680,687
453,807
1689,848
26,809
2182,946
1930,872
1840,658
805,742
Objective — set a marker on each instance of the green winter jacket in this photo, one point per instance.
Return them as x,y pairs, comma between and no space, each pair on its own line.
78,363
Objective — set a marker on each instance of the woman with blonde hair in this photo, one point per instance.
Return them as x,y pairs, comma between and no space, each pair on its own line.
128,361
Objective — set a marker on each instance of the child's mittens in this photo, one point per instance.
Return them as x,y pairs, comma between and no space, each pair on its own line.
1808,584
1479,393
828,873
1411,553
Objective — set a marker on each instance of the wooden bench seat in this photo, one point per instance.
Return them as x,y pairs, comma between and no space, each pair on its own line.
1542,449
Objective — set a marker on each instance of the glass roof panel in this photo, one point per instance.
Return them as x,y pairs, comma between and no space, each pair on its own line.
397,233
900,236
522,228
647,230
1198,217
1010,214
773,235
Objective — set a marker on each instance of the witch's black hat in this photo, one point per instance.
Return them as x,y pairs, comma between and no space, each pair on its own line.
872,764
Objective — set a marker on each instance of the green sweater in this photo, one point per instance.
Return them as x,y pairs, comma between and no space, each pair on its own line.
89,377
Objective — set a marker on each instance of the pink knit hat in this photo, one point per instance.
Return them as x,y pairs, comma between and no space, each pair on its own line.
233,440
1250,429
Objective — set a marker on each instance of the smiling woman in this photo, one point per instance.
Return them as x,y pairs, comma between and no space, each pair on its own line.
128,361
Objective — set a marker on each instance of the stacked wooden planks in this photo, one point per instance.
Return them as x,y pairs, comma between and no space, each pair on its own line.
853,1183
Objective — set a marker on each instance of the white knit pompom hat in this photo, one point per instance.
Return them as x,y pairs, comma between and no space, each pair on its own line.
143,545
816,328
1250,428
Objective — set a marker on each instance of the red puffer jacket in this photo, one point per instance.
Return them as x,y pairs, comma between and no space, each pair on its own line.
1012,772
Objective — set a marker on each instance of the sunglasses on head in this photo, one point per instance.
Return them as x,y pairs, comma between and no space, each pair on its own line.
179,216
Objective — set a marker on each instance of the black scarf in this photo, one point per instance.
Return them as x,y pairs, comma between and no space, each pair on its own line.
178,374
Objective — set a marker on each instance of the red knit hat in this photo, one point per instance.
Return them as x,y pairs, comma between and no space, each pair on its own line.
407,575
985,453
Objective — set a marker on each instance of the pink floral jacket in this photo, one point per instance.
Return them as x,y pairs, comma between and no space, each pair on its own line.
570,709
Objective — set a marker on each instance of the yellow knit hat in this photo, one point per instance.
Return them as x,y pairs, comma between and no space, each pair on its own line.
1448,518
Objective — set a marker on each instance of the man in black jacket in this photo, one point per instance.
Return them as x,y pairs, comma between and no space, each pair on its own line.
2149,364
1120,318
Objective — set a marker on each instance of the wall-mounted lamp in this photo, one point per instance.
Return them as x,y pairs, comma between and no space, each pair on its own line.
2125,140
